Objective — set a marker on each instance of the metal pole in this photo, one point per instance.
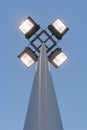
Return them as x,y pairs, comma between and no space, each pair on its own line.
43,112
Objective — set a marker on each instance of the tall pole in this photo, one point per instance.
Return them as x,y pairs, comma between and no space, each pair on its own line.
43,112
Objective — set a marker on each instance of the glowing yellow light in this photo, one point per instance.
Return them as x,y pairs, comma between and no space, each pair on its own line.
26,26
59,59
27,60
59,26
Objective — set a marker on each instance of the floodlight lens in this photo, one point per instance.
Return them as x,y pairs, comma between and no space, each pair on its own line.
26,26
59,59
59,26
27,60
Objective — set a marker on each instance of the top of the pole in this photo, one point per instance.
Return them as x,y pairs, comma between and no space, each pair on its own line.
43,112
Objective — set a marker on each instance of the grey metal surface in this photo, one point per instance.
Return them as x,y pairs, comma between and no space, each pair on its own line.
43,112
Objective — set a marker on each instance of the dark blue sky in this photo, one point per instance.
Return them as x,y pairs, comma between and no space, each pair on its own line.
70,80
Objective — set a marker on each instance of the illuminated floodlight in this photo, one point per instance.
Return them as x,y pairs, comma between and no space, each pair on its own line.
57,57
28,27
58,28
28,57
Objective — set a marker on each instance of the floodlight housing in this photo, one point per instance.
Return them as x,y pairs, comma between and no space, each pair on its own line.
58,28
28,57
57,57
28,27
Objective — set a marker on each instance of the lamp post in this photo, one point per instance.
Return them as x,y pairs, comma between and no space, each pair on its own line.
43,111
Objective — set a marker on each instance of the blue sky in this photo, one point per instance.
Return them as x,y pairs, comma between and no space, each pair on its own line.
70,80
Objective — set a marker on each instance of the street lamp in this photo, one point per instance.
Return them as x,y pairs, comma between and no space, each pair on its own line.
57,57
28,57
58,28
28,27
43,112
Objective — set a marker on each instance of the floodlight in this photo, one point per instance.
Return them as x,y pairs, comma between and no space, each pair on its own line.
28,27
57,57
28,57
58,28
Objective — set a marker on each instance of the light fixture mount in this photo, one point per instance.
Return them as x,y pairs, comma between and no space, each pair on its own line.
49,36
